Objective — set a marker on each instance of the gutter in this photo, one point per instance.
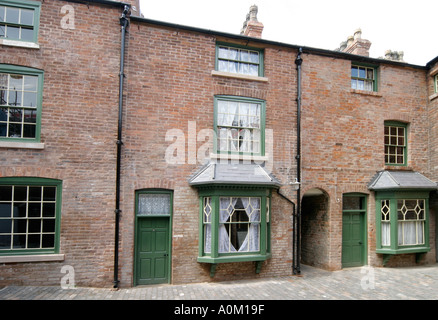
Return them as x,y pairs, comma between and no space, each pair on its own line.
123,23
297,217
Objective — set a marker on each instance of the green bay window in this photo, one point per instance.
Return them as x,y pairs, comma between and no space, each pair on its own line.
402,212
19,20
29,215
20,103
402,220
234,225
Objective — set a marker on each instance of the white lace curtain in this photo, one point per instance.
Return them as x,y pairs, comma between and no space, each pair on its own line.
235,115
252,239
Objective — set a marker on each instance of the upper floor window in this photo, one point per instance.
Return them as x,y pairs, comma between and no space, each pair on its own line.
363,78
239,125
241,60
20,102
19,20
395,143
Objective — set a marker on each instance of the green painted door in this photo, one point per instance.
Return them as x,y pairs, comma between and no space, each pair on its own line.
152,250
353,231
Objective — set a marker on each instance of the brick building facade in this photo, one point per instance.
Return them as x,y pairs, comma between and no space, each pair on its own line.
151,152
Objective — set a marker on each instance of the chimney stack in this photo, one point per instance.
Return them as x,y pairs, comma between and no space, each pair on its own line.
356,45
252,27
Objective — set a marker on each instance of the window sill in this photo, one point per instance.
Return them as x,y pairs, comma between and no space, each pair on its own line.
21,145
20,44
434,96
419,249
32,258
367,93
238,76
236,258
242,157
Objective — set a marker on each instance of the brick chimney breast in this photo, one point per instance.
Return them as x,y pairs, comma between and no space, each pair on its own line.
252,27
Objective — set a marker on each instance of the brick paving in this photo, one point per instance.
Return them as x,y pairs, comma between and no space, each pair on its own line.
414,283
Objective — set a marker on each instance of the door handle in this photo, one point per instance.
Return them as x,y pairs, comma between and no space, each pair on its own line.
166,255
360,242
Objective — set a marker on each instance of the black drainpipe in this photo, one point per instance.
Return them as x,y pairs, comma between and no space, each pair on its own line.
297,217
124,23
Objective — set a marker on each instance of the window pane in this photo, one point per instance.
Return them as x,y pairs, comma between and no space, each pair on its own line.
35,193
362,73
48,241
223,53
254,57
5,226
20,210
5,242
20,193
49,193
34,226
30,99
5,193
19,242
12,15
2,14
26,17
26,34
12,32
5,210
354,72
153,204
29,131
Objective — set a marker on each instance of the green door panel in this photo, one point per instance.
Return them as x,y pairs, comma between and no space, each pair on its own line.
353,244
152,251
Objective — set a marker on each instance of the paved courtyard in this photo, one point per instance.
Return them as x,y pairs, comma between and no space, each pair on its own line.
414,283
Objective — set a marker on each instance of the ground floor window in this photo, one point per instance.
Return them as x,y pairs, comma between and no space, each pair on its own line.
402,220
29,215
234,227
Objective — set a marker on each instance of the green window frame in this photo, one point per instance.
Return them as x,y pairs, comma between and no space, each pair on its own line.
402,222
30,213
363,77
239,59
19,20
396,145
228,232
21,98
239,125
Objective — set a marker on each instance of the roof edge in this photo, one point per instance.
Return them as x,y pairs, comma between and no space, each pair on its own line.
306,49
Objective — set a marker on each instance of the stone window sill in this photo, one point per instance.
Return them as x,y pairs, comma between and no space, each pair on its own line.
238,76
21,44
434,96
21,145
368,93
32,258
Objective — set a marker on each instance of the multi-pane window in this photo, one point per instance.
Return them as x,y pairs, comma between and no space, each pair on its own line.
19,20
411,217
385,222
363,78
234,225
402,222
239,125
20,104
29,217
395,144
239,60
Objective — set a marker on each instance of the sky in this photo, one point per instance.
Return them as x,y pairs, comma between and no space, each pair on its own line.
397,25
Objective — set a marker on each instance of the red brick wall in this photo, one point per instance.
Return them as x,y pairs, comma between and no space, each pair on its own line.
79,130
170,84
343,135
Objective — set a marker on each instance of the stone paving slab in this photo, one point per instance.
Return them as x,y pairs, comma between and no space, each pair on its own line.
366,283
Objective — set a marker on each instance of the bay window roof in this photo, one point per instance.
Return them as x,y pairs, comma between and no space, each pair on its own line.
234,173
400,180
